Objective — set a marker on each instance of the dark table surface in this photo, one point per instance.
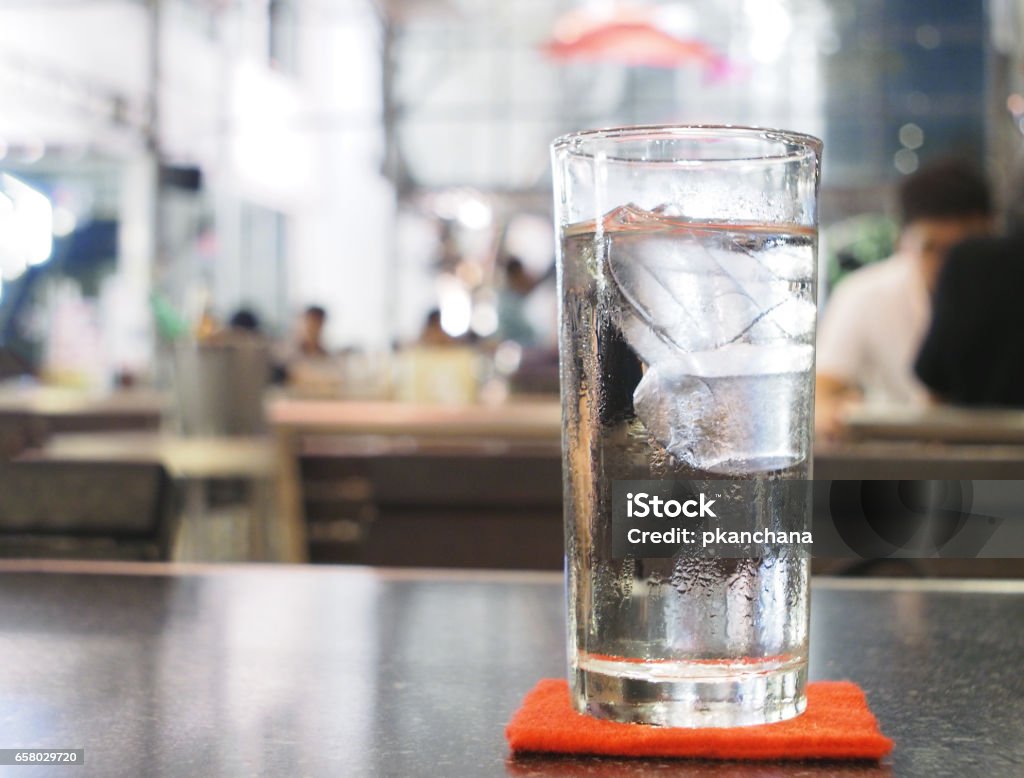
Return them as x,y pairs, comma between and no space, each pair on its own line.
298,671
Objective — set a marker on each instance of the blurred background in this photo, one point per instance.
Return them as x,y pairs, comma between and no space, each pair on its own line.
295,256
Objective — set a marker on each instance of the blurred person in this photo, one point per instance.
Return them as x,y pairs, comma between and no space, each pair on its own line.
245,327
245,320
973,351
874,322
513,323
311,333
306,364
433,333
437,367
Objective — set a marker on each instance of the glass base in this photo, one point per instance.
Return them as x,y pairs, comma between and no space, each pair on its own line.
689,694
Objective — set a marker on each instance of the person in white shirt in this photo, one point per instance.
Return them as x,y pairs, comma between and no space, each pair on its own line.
873,324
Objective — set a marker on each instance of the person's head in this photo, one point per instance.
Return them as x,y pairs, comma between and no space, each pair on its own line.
433,333
313,319
516,277
244,319
941,205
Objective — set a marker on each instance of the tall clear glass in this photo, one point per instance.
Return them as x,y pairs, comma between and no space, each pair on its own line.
687,278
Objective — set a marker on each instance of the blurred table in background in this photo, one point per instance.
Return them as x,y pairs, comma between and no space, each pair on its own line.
128,406
390,483
403,484
941,423
29,413
936,442
196,464
533,420
184,457
940,443
916,460
417,484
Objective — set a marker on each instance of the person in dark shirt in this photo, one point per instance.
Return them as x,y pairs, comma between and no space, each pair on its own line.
973,352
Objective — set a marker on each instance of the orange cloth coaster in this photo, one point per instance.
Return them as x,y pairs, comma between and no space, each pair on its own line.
836,725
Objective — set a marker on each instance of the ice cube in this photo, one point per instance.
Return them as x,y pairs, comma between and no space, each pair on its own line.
675,288
691,290
789,262
651,346
728,424
632,215
746,359
673,408
795,317
727,384
743,265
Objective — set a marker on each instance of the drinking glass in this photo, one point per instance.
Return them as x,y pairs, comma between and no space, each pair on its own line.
687,279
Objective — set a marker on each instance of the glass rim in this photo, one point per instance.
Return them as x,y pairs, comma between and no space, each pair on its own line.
802,144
